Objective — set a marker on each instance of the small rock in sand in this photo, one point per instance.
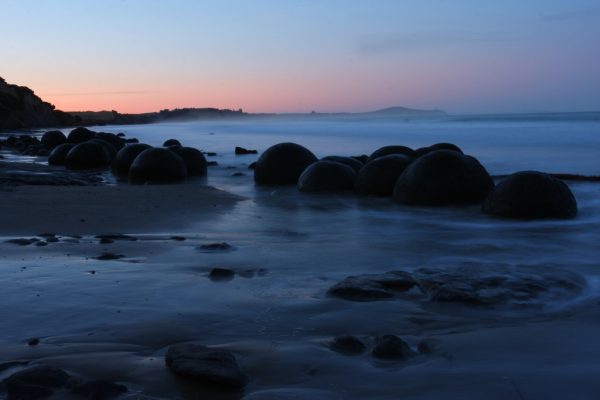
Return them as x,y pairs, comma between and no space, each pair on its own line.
178,238
242,151
109,256
36,382
33,342
213,366
21,241
391,347
99,390
347,344
221,274
222,246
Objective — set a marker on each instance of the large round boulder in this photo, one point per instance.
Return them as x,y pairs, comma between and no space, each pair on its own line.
171,142
80,135
353,163
438,146
88,155
282,164
125,157
51,139
326,176
116,141
379,176
109,147
531,195
59,153
387,150
157,165
193,158
443,177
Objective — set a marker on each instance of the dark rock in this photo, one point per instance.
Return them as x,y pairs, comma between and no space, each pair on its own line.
347,344
223,246
362,158
193,158
238,174
106,241
324,176
282,164
221,274
212,366
115,140
242,151
125,157
425,348
51,139
391,347
371,287
157,165
80,135
118,236
252,165
52,240
88,155
387,150
109,257
178,238
379,176
171,142
59,154
438,146
349,161
99,390
21,241
41,244
33,342
35,383
211,154
531,195
443,177
112,150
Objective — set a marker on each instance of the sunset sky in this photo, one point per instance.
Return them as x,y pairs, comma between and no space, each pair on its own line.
298,56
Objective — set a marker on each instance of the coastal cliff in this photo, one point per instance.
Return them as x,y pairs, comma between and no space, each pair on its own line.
20,108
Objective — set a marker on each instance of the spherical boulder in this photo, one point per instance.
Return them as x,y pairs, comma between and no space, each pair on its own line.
171,142
51,139
443,177
88,155
193,158
353,163
157,165
125,156
379,176
531,195
80,135
59,153
109,147
326,176
116,141
282,164
387,150
438,146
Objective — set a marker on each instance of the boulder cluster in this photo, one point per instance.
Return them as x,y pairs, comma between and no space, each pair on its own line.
437,175
83,149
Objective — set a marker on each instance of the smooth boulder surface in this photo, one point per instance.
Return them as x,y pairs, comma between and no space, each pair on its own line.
353,163
116,141
378,177
326,176
109,147
125,157
391,347
531,195
51,139
438,146
387,150
212,366
443,177
157,165
193,158
88,155
282,164
171,142
59,153
80,135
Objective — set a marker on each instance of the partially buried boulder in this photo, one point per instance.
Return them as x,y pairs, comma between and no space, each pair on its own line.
353,163
282,164
80,135
391,347
443,177
387,150
125,157
212,366
115,140
157,165
88,155
59,153
379,176
325,176
531,195
193,158
51,139
171,142
36,383
438,146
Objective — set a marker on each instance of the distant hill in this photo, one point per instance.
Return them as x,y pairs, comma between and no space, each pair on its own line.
20,108
408,112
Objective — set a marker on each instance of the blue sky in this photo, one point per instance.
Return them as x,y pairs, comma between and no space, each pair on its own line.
461,56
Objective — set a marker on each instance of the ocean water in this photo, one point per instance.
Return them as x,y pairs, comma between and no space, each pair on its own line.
536,340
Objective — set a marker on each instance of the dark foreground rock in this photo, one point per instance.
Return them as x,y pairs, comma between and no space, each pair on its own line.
171,142
379,176
88,155
80,135
327,176
391,347
443,177
125,156
531,195
421,151
282,164
347,344
353,163
59,154
373,286
193,159
387,150
204,364
36,383
51,139
221,274
220,246
157,165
